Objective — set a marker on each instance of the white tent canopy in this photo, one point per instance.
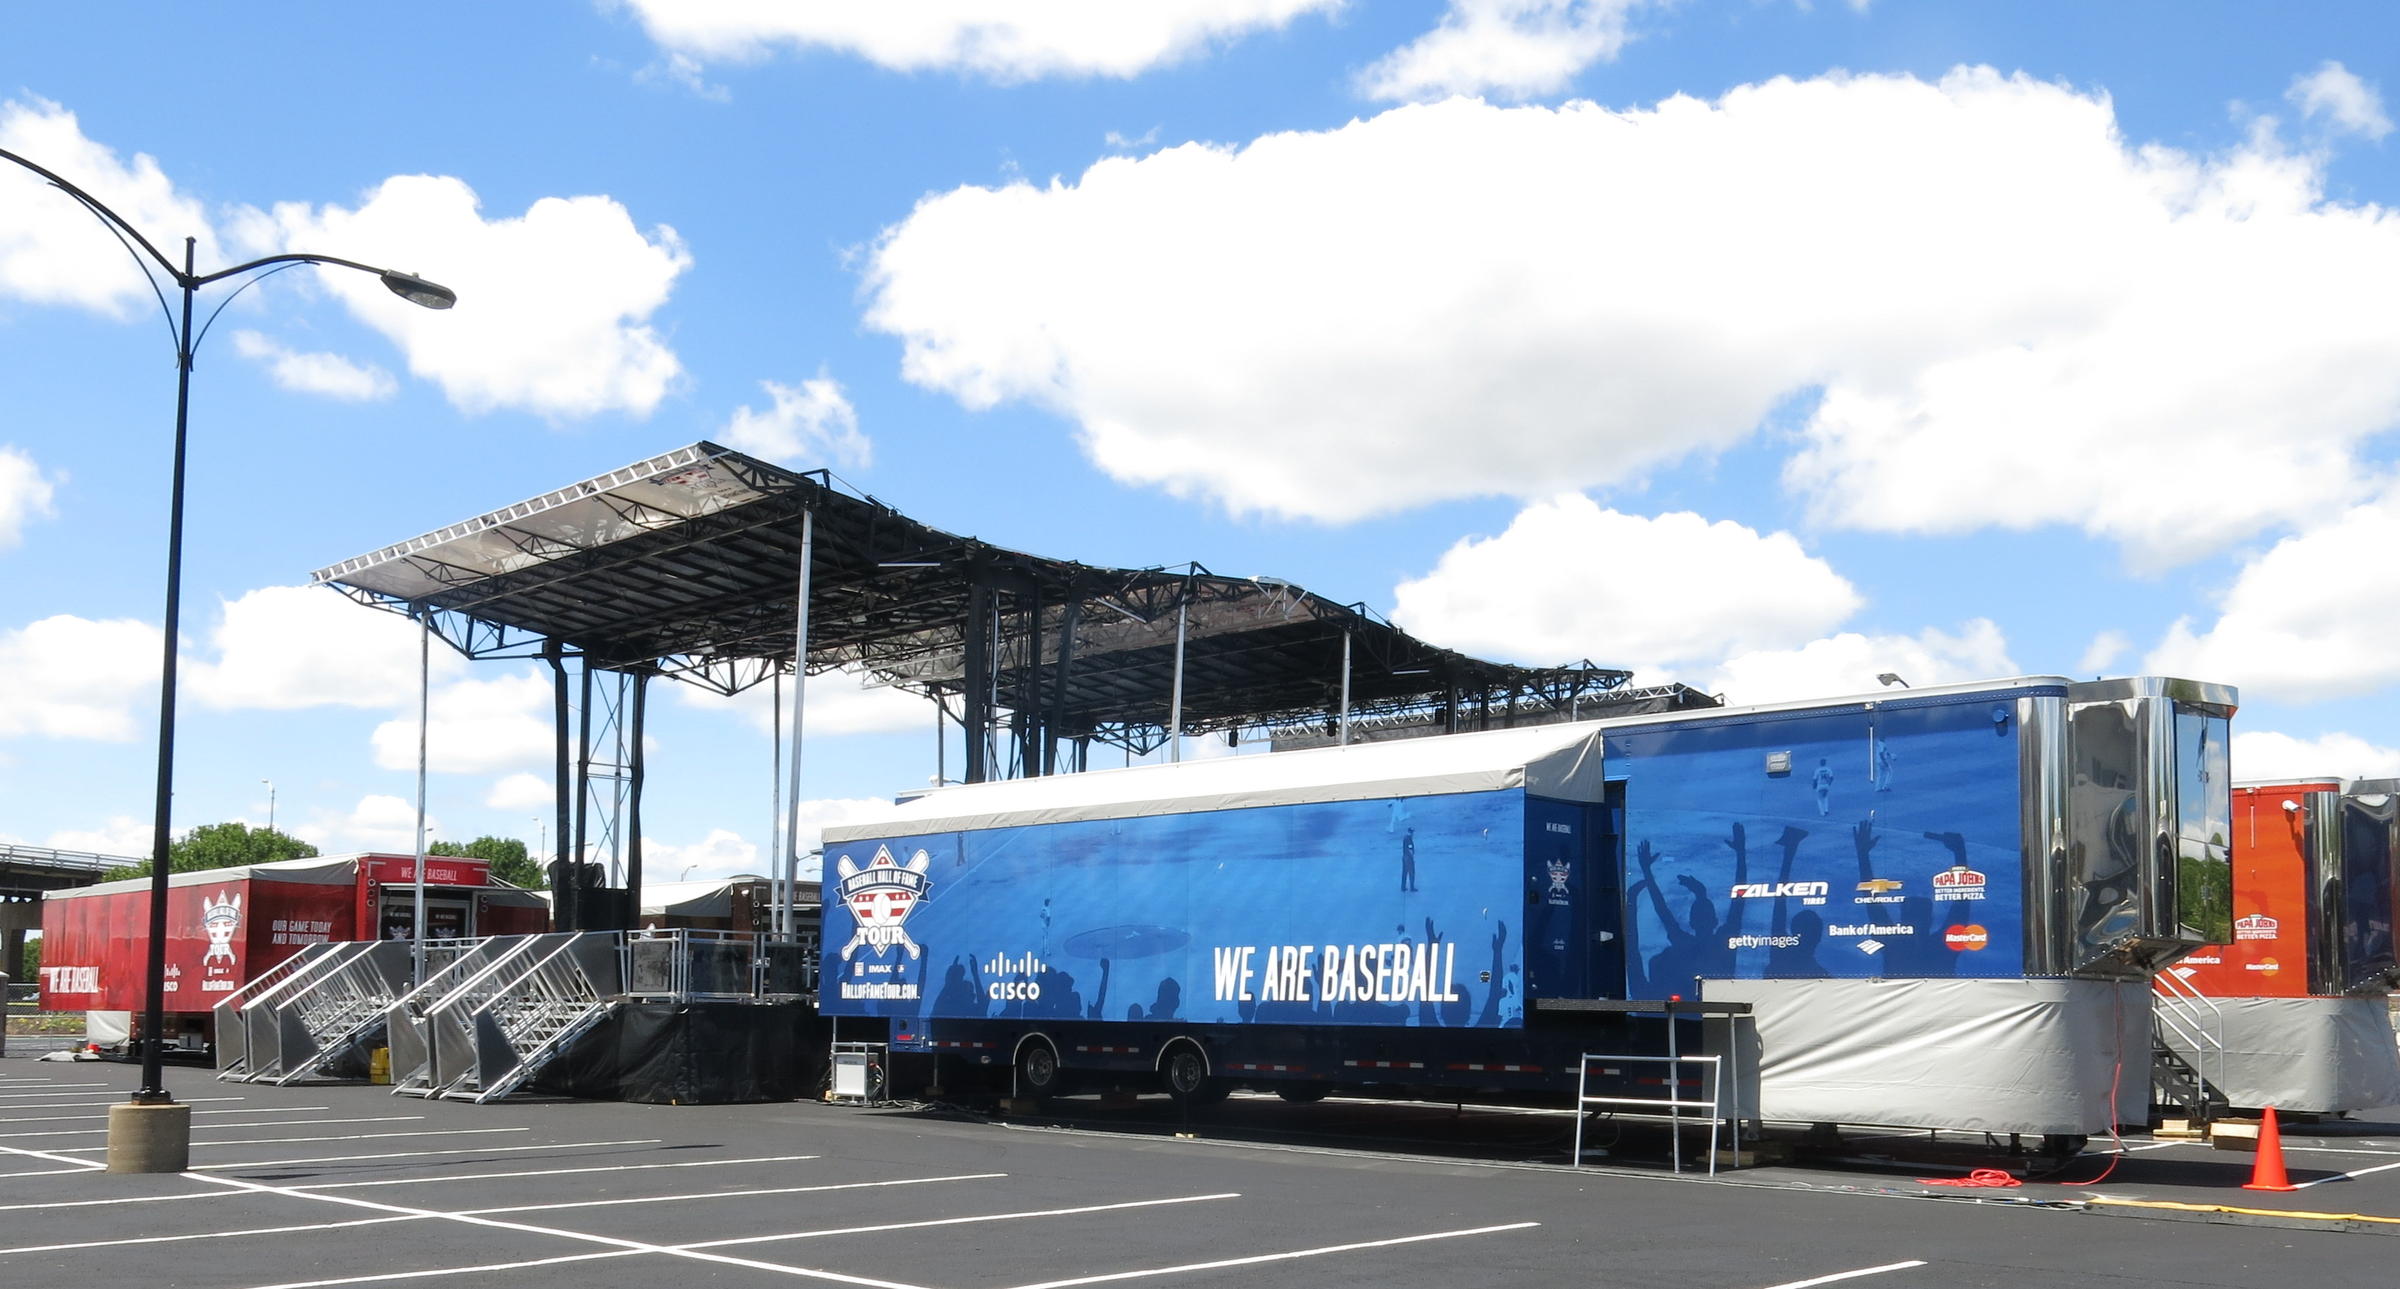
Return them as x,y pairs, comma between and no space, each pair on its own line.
1556,761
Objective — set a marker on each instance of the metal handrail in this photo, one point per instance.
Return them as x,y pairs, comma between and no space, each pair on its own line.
2204,1033
1673,1103
227,1010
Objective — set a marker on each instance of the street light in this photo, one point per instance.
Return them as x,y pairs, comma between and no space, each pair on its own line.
149,1138
270,803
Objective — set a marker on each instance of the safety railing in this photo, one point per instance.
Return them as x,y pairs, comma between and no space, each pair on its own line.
1672,1102
233,1048
337,1011
683,965
448,1020
261,1014
2192,1022
448,963
541,1011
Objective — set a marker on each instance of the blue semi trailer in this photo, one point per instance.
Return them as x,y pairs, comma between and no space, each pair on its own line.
1934,904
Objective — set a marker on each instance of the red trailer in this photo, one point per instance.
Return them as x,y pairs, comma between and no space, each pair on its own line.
227,925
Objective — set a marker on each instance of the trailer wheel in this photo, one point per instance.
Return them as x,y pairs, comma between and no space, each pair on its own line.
1038,1074
1185,1072
1303,1093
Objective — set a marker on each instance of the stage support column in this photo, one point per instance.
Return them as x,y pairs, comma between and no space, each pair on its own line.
562,895
976,689
633,807
791,834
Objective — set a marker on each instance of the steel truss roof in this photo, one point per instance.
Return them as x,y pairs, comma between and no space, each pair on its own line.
687,565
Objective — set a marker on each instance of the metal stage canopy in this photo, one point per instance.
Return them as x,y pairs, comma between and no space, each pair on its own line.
687,565
691,565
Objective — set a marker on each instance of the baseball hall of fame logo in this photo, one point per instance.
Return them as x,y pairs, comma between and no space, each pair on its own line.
880,896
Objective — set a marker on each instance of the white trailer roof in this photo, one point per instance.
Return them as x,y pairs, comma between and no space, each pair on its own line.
1556,761
329,870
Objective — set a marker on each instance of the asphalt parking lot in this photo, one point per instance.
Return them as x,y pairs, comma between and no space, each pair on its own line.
324,1186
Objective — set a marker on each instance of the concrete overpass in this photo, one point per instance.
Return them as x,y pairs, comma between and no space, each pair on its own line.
26,872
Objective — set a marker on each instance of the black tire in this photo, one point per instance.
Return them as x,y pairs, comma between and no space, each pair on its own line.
1303,1093
1184,1071
1038,1072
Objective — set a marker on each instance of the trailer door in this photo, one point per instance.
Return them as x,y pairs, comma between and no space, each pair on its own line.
1571,945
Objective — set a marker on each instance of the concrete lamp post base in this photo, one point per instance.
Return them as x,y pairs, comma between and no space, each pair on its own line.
149,1138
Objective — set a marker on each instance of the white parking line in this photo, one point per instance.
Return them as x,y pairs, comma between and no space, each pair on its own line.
205,1235
1257,1258
456,1271
78,1118
2343,1177
272,1123
77,1105
1848,1275
955,1221
628,1246
77,1090
779,1190
123,1199
2337,1150
480,1212
354,1136
551,1172
412,1154
44,1154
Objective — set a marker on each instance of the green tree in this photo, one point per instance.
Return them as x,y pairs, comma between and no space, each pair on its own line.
225,845
506,855
33,959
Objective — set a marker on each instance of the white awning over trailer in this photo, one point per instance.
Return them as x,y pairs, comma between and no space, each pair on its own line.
325,870
1561,762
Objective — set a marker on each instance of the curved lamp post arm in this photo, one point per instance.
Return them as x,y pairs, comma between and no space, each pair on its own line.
116,221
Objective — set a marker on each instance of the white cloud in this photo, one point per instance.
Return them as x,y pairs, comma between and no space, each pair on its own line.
554,305
2335,94
1515,48
1002,40
328,374
2266,754
685,72
521,792
1981,275
2290,628
52,250
379,822
25,494
722,853
838,702
1674,588
2102,653
812,425
1849,663
282,648
70,677
477,727
121,835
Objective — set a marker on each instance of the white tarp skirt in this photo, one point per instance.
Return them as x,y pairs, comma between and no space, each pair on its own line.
2320,1055
2001,1056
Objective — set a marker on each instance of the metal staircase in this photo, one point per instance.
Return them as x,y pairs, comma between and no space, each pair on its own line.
337,1012
2187,1048
511,1009
232,1036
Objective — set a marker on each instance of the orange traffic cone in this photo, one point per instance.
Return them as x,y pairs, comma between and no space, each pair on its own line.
2267,1175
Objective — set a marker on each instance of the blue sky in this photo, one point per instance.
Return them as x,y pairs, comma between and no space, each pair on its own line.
1759,345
